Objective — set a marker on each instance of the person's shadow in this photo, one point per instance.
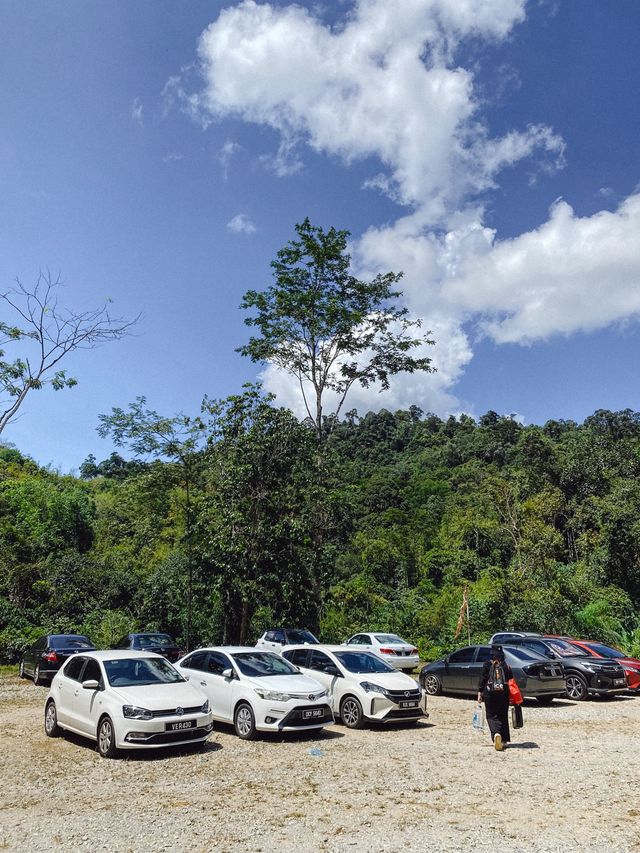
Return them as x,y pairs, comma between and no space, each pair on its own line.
527,744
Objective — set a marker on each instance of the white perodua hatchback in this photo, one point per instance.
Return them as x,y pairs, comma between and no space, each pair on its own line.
256,690
126,700
361,686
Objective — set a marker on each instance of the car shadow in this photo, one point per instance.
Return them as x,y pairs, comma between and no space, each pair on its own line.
526,744
151,754
327,733
557,703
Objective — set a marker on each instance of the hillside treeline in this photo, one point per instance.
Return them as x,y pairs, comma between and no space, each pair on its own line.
382,527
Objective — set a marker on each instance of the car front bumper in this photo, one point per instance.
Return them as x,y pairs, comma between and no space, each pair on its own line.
299,718
379,708
146,734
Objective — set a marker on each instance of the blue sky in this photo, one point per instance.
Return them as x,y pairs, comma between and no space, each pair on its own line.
158,154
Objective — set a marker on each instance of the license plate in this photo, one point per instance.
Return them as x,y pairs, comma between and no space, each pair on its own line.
178,727
313,713
408,704
619,681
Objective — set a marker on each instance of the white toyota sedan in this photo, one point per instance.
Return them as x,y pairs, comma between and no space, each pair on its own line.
362,686
390,647
126,700
256,690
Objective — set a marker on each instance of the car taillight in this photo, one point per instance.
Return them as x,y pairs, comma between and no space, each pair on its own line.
387,651
414,651
52,657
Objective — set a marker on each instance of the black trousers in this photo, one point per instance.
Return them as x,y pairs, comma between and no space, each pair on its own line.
496,707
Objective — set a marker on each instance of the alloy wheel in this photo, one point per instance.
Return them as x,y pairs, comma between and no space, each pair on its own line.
432,685
351,713
576,688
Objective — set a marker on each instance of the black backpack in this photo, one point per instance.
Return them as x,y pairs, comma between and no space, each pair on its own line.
497,682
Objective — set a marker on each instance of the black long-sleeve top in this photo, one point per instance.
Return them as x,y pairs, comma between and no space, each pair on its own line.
486,669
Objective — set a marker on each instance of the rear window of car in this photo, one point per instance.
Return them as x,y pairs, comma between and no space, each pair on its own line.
297,636
391,639
606,651
146,641
70,641
522,654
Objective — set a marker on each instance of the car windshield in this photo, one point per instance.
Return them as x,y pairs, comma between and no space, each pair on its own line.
297,636
70,641
261,664
522,654
565,650
391,639
146,641
606,651
134,672
362,662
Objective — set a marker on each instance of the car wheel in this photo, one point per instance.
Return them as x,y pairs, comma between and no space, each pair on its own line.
51,727
545,700
351,713
432,684
244,722
21,670
37,679
106,738
576,687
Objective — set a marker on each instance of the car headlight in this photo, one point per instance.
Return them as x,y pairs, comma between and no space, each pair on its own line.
134,713
205,707
272,695
374,688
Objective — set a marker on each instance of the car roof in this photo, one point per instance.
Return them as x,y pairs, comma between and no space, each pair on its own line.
232,650
118,654
326,648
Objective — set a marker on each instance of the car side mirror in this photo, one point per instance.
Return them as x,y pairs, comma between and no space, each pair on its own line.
333,670
446,660
91,684
228,673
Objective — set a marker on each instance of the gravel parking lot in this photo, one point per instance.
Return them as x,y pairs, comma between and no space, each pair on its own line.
570,782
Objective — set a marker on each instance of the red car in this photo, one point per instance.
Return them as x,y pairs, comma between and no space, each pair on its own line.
631,666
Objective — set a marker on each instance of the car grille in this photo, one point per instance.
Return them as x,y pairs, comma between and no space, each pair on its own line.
404,695
171,712
174,737
404,714
294,717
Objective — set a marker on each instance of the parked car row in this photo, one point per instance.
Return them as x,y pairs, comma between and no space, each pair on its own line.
545,667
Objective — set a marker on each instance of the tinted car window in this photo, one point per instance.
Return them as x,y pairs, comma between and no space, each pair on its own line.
74,667
463,655
129,672
69,641
198,660
320,661
296,636
606,651
92,671
217,663
298,657
363,662
484,654
390,639
260,664
146,641
124,643
278,637
523,654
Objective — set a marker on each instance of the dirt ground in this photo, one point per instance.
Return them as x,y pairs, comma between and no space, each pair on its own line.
570,782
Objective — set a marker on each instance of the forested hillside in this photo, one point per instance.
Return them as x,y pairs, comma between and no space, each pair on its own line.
251,525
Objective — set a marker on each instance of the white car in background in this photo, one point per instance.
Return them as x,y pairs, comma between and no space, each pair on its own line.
390,647
361,685
277,639
256,690
126,700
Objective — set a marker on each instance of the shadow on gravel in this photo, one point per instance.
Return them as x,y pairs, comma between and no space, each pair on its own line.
142,755
557,703
527,744
328,733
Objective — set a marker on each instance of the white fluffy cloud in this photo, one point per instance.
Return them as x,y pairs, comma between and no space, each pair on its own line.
241,224
385,84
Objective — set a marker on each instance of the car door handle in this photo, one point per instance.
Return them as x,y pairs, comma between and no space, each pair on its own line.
203,683
75,692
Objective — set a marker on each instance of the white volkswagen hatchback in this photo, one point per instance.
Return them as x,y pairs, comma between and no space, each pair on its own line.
256,690
361,685
126,700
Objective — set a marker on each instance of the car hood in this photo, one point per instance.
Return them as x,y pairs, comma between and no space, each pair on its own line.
159,697
390,680
286,683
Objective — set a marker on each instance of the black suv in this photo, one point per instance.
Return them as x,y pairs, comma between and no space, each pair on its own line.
44,658
584,674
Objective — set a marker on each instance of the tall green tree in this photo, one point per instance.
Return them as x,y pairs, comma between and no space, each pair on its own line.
327,328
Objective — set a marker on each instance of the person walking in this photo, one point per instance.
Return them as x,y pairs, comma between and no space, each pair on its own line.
493,690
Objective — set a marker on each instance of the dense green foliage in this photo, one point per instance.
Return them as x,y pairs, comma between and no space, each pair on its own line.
382,529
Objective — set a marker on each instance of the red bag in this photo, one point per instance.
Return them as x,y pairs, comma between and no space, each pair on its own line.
515,697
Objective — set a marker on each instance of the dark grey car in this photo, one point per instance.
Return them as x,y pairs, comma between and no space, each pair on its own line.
537,677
